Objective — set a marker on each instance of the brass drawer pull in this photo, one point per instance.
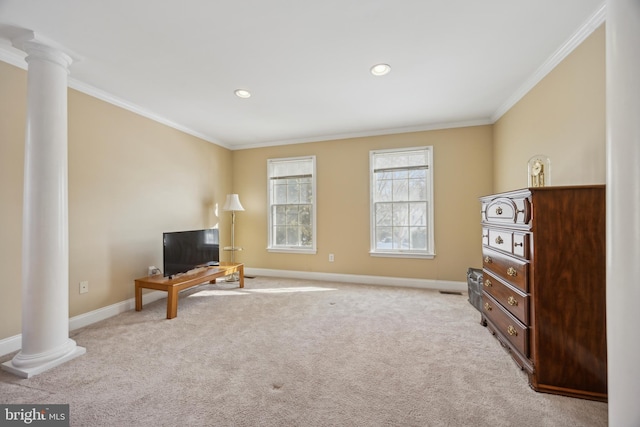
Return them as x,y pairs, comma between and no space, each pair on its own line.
487,306
512,331
512,301
499,240
488,283
512,272
488,260
498,210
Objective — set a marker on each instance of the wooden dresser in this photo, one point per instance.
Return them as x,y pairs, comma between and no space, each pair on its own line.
543,293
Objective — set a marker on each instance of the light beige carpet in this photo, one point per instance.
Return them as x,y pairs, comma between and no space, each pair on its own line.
287,352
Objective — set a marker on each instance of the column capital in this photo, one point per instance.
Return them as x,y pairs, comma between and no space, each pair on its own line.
37,46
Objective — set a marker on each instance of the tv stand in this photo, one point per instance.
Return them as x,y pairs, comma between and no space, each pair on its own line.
187,280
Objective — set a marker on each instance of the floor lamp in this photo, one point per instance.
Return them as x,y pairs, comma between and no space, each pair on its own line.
233,204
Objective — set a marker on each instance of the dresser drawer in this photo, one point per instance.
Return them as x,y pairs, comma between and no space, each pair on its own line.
506,210
521,244
508,268
516,302
485,236
501,239
508,326
514,242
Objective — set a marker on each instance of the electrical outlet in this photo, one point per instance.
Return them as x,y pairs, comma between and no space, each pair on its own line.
84,287
152,270
331,258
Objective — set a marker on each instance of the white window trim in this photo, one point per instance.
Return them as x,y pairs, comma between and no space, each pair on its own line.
430,253
402,254
292,249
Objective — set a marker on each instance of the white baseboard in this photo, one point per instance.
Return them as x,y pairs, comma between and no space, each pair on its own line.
11,344
86,319
438,285
14,343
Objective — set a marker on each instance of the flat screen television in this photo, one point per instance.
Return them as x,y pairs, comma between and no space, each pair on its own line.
186,250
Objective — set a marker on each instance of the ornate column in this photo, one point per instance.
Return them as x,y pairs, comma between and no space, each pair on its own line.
45,236
623,210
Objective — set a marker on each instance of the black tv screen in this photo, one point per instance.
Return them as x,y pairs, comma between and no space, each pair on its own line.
186,250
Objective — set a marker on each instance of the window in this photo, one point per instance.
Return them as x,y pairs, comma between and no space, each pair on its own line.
401,202
292,204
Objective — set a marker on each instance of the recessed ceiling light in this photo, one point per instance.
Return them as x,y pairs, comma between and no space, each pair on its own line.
380,69
242,93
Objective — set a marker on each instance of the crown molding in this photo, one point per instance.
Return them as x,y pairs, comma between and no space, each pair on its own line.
380,132
14,57
17,58
597,19
119,102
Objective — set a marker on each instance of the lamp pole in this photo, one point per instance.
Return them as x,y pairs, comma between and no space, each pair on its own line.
233,240
232,203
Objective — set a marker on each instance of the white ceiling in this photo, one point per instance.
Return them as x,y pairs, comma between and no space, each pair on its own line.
306,63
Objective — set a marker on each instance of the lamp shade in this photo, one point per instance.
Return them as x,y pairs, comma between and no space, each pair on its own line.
232,203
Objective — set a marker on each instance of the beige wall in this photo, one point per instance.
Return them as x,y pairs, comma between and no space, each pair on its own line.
562,117
462,173
130,179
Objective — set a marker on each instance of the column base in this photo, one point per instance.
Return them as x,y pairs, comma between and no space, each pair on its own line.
28,372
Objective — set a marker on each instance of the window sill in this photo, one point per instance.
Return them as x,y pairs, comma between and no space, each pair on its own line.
402,255
292,251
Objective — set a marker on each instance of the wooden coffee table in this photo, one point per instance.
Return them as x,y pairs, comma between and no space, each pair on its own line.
184,281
